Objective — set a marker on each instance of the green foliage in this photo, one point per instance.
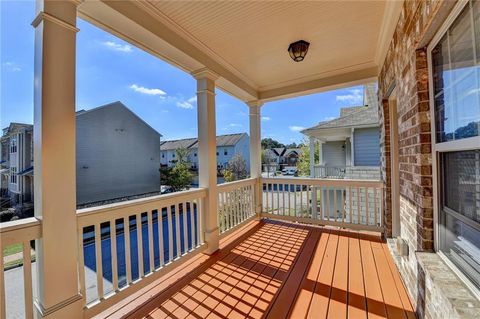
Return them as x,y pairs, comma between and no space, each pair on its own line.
268,143
303,164
182,154
178,177
237,169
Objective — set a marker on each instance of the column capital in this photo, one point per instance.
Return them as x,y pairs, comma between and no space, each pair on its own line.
255,103
43,16
205,73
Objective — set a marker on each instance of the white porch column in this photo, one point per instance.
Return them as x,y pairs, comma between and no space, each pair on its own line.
256,152
320,153
312,157
312,175
54,153
207,154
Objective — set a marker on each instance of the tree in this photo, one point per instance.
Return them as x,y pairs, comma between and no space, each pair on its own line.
237,169
268,143
303,164
182,154
292,145
178,177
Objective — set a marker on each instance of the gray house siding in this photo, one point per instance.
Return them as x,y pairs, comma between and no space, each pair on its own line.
118,155
334,153
367,146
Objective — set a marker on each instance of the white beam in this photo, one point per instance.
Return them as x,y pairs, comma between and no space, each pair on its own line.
207,154
255,151
54,151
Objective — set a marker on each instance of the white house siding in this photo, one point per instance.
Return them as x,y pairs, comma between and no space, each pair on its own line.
367,146
118,155
243,148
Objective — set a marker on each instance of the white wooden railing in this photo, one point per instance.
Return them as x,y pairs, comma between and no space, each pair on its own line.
116,259
235,203
356,204
19,232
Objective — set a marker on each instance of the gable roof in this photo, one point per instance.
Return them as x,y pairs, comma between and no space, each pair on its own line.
115,104
356,116
222,140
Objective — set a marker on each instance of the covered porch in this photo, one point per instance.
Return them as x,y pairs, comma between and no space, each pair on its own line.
259,247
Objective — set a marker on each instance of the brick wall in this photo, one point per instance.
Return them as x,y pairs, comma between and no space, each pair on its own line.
405,70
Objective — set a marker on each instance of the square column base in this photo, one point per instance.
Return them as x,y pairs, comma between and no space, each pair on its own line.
212,239
71,308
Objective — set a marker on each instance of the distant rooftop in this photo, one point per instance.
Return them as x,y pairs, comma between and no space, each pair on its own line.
222,140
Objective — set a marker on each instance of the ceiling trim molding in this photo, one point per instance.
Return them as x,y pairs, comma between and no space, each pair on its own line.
321,75
391,14
358,77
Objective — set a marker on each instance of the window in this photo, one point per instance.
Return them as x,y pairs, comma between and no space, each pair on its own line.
225,153
163,155
13,175
195,154
454,57
13,145
217,153
173,155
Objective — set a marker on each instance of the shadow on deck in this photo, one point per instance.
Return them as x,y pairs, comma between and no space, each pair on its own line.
280,270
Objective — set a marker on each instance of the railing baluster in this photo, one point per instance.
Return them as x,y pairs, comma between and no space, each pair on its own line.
113,246
98,260
271,196
278,199
141,272
359,210
375,205
295,201
161,247
342,201
350,201
177,229
27,279
128,258
309,207
185,230
382,215
200,224
301,200
227,211
192,224
170,233
335,204
367,213
327,204
81,266
150,240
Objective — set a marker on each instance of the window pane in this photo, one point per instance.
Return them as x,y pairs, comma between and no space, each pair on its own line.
462,246
456,81
462,183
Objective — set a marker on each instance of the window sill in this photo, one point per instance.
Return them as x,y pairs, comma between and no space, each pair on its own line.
445,292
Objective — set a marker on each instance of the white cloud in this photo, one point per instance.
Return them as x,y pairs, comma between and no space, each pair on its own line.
184,105
295,128
193,99
144,90
234,125
355,96
117,47
12,66
266,118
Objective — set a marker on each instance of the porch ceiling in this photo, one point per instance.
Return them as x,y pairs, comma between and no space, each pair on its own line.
246,42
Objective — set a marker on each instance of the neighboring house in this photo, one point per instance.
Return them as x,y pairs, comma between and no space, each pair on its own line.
282,157
349,146
227,146
16,164
117,156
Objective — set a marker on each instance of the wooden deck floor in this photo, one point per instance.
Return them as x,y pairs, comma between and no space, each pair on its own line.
280,270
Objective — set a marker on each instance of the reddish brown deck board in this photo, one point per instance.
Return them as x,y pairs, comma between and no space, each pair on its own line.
283,270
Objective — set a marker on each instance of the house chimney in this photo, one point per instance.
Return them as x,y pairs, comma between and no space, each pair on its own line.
370,97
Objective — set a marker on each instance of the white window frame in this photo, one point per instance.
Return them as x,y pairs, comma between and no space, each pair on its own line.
470,143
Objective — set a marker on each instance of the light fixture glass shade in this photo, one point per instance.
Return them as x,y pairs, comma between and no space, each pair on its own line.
298,50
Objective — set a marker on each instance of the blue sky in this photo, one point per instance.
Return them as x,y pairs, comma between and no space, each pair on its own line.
109,69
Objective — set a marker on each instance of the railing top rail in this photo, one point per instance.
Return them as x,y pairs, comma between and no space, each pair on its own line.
236,184
324,182
19,230
166,199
